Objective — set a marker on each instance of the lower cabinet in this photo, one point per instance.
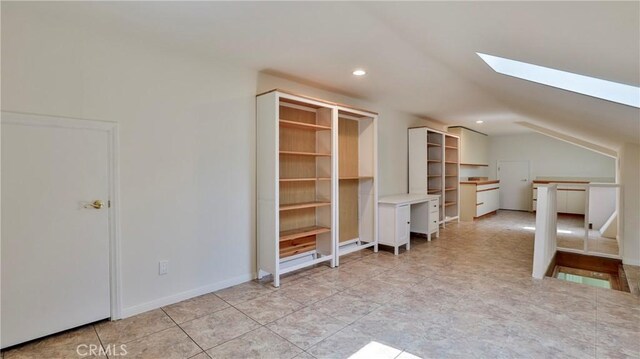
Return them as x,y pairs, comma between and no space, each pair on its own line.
395,226
479,199
570,200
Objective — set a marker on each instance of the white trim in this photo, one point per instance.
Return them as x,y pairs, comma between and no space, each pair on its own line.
111,128
305,264
175,298
345,251
349,241
297,256
303,100
355,111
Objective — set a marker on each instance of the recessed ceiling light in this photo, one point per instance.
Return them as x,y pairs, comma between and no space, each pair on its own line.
479,121
590,86
359,72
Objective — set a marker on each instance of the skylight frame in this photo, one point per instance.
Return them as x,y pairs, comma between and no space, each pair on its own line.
590,86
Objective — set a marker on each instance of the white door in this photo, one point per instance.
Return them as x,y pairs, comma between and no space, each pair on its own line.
515,185
55,246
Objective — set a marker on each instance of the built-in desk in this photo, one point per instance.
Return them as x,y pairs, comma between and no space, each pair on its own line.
401,214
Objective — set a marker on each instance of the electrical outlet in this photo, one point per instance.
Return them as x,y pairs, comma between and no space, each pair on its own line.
163,267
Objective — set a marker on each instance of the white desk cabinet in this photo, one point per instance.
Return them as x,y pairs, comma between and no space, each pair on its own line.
400,215
395,222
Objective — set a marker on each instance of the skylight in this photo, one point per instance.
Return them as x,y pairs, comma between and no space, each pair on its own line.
590,86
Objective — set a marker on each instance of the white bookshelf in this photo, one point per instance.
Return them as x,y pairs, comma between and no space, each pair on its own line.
434,168
357,181
316,182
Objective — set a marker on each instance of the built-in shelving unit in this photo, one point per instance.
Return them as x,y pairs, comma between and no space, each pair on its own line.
434,168
296,186
357,184
317,182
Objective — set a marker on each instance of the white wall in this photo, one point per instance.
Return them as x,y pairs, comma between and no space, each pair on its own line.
630,181
474,171
549,157
187,130
187,146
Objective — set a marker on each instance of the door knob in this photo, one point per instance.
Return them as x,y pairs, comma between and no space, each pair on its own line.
97,204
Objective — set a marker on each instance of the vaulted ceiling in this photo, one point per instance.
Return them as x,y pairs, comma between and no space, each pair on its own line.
420,56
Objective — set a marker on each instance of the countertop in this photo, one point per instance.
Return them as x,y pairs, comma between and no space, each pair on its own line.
407,198
480,182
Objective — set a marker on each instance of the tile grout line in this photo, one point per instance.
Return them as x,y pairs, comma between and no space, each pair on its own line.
265,325
185,333
100,340
144,336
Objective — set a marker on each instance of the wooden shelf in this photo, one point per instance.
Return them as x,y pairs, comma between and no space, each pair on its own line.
304,126
446,204
304,153
451,162
451,189
451,147
302,232
289,207
431,144
298,179
434,191
357,178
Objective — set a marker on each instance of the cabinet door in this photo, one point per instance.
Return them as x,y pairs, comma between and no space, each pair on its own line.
575,202
474,148
482,203
495,200
386,224
403,217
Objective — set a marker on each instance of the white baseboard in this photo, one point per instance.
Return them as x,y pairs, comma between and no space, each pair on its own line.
175,298
631,261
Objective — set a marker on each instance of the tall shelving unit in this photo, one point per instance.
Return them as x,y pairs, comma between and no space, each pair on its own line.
296,183
451,177
357,181
316,182
434,168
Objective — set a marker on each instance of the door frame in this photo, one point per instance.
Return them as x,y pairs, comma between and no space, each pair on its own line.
529,198
111,129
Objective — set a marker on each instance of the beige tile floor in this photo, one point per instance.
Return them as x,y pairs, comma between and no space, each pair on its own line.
468,294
